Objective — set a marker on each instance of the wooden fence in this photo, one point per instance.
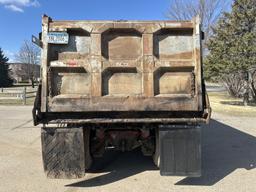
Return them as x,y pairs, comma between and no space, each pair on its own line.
22,93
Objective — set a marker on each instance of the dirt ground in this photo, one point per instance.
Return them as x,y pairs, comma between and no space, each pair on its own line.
229,159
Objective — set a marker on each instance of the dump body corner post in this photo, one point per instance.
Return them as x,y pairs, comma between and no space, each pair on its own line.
198,60
44,61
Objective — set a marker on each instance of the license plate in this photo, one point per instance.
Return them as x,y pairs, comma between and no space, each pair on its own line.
57,38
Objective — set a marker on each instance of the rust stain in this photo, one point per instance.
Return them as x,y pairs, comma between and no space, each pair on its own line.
184,55
120,66
72,63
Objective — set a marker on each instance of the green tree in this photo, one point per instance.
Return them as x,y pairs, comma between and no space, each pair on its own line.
5,79
233,47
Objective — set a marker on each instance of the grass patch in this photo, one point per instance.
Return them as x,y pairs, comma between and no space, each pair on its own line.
13,95
29,101
221,102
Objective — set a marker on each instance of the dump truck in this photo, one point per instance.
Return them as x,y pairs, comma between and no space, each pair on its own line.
121,85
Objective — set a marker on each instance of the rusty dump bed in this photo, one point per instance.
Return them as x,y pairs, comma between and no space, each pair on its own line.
122,71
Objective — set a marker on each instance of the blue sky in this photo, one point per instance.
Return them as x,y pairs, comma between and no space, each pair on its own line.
21,18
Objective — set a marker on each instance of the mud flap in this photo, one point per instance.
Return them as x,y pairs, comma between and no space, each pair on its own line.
180,150
63,152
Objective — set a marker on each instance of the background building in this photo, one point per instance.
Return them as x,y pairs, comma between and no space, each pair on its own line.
24,72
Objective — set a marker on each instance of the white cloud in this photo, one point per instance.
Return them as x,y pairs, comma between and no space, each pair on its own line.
19,5
14,8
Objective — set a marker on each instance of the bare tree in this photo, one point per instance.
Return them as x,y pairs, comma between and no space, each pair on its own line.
30,54
234,83
208,10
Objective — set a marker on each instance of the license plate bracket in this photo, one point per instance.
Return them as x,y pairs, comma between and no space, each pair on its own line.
57,37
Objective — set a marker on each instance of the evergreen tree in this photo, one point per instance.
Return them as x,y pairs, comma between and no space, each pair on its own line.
233,45
5,79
